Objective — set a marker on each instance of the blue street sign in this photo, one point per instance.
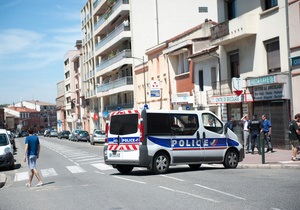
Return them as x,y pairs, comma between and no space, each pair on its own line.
296,61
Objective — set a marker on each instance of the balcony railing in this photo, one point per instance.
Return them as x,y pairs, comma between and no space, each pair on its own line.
115,84
220,30
117,106
119,56
96,3
225,88
104,17
118,30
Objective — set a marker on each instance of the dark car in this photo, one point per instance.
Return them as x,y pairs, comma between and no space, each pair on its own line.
24,134
64,134
82,136
73,134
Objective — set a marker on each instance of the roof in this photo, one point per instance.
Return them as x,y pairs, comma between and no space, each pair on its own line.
37,102
22,109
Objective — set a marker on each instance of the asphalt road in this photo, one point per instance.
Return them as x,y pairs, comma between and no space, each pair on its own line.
75,177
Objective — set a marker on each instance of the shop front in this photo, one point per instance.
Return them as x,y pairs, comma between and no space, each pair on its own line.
271,97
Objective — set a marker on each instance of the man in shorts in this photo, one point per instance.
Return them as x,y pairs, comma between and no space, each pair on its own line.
32,151
294,133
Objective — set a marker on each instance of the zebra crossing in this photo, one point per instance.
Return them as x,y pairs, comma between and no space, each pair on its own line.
81,162
51,172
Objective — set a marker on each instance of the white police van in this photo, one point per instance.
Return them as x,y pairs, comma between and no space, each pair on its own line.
157,139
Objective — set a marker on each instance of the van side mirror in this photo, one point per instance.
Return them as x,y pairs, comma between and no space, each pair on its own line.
225,129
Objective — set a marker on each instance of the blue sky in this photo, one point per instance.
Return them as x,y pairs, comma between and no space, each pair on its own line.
34,37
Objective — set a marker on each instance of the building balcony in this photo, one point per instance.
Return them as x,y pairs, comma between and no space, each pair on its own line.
235,29
121,85
119,34
117,106
215,91
121,7
114,60
89,75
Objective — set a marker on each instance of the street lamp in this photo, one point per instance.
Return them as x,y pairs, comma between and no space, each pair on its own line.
144,71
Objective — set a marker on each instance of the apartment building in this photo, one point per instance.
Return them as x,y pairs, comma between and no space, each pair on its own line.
116,35
71,99
48,119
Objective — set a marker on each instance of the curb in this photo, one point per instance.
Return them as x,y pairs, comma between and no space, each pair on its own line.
269,166
2,180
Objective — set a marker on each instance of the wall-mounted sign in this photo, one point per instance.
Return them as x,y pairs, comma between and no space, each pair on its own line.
268,92
262,80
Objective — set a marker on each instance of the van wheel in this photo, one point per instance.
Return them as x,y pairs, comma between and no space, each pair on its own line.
124,169
231,159
194,166
161,163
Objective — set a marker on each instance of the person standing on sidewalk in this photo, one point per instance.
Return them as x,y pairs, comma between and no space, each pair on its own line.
294,135
231,123
32,152
267,129
247,141
254,127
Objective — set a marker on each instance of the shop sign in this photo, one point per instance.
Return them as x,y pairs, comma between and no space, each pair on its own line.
155,93
268,92
262,80
296,61
226,99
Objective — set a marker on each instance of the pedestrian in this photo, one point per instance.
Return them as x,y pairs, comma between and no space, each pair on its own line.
294,135
231,123
266,128
247,142
254,127
32,152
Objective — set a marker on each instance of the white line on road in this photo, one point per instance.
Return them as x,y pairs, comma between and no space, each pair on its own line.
190,194
21,176
48,172
172,178
75,169
208,188
131,180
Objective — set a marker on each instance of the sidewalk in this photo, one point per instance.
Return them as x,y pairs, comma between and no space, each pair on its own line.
278,159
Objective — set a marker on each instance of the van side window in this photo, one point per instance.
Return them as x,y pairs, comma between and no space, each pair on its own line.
211,123
184,124
158,123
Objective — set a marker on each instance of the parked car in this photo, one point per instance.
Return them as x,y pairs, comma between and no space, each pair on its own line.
12,139
63,134
82,136
6,151
24,134
53,133
98,136
73,134
46,133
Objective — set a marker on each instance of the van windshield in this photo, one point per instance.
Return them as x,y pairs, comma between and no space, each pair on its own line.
124,124
3,140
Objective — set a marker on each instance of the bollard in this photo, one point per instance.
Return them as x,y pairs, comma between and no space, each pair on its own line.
263,149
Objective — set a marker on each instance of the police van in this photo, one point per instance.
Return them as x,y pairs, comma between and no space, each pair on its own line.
157,139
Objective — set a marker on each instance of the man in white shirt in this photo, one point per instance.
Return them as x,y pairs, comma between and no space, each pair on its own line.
247,143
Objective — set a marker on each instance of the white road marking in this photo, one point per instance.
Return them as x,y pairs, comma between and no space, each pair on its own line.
21,176
208,188
102,166
89,159
75,169
48,172
190,194
131,180
172,178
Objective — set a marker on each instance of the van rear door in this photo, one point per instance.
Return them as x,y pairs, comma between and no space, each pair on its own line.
124,137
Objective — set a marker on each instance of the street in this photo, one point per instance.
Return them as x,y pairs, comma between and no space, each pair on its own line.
75,177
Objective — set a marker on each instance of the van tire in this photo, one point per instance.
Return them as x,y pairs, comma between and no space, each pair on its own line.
124,169
231,159
194,166
161,163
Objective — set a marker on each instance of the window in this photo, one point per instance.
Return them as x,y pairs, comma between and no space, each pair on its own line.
124,124
231,9
213,78
270,3
201,80
203,9
273,55
182,63
211,123
234,65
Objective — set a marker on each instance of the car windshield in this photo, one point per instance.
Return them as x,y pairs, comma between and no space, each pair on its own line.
3,140
99,132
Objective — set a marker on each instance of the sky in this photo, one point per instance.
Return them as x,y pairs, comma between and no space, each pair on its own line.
34,37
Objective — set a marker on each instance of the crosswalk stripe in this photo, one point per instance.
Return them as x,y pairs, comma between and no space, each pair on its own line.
48,172
21,176
75,169
102,166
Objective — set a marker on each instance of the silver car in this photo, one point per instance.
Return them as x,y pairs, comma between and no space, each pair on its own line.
98,136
